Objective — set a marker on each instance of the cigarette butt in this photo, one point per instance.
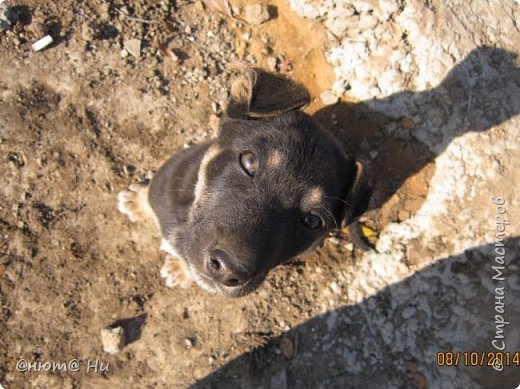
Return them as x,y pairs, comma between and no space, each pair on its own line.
42,43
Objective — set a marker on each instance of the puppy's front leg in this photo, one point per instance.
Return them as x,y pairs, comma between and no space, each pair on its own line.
133,202
175,272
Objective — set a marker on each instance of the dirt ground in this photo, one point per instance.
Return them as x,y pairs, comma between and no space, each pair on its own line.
85,118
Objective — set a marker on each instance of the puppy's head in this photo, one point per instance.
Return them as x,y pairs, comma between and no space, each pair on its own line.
269,188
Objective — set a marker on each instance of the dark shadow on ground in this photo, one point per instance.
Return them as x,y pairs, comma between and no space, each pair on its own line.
480,92
133,327
392,339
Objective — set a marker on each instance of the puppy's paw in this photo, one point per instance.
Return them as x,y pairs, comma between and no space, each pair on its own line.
133,202
175,273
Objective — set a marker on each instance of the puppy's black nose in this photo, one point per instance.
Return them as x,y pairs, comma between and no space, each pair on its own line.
222,269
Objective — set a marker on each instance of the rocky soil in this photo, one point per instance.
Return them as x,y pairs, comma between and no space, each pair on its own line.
426,94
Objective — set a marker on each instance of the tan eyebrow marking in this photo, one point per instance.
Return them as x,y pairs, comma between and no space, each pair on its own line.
212,152
274,159
313,197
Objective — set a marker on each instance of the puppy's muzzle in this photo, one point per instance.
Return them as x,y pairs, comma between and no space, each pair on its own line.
225,271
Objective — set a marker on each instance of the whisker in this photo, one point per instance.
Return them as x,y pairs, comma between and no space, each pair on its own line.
328,213
337,198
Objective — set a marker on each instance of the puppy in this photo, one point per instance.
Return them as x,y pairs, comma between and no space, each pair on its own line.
269,188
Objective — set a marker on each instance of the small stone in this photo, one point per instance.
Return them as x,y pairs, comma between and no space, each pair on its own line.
246,36
329,98
214,122
113,339
133,46
189,342
272,63
174,57
129,169
403,215
373,154
124,53
334,287
287,347
334,241
256,14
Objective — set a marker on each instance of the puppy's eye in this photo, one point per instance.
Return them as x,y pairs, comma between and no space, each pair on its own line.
311,221
248,162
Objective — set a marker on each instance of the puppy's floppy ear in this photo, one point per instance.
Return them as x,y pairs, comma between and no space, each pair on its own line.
259,94
357,196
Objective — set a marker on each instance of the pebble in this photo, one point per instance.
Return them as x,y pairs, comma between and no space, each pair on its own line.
349,246
133,46
329,98
272,63
129,169
334,287
189,342
214,122
334,241
403,215
113,339
256,14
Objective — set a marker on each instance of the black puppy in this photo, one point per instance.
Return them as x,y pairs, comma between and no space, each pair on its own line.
268,188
